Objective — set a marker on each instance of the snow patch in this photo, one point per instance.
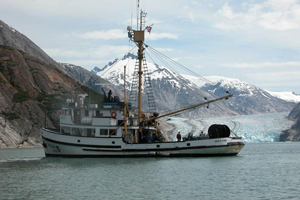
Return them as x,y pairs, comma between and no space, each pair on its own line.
287,96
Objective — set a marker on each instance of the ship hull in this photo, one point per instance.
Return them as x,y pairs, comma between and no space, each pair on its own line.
58,145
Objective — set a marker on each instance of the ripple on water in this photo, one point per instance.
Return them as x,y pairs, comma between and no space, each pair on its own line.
260,171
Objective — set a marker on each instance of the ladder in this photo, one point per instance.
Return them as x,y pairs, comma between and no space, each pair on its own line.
148,87
133,97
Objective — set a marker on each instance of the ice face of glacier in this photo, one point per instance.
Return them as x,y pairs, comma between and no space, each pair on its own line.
253,128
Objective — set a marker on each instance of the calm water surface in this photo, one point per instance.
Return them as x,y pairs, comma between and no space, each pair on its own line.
260,171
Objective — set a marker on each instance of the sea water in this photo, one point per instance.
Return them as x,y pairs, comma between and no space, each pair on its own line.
259,171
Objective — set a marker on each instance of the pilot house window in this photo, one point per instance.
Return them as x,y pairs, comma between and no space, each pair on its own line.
104,132
112,132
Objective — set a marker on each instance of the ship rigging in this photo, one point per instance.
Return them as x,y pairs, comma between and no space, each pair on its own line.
118,129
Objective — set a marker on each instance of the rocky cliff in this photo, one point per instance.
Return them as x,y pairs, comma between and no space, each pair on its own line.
11,37
293,133
91,80
31,89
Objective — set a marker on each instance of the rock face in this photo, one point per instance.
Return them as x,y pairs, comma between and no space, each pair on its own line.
295,113
292,134
30,88
11,37
90,79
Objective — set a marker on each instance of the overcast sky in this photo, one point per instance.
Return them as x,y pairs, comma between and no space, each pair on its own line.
257,41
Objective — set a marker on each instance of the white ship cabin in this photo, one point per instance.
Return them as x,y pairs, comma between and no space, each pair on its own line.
79,118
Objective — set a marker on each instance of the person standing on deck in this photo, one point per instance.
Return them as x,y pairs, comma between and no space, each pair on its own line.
178,137
149,138
109,95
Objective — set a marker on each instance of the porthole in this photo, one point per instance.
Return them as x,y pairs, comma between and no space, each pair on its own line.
78,140
188,144
113,142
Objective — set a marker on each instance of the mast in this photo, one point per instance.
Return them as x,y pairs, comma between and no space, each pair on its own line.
125,102
137,14
140,57
138,37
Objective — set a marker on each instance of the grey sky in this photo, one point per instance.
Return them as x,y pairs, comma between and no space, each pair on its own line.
255,40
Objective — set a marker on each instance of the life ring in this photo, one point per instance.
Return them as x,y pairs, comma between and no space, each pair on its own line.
113,114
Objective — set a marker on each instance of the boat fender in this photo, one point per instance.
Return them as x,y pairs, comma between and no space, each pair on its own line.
113,114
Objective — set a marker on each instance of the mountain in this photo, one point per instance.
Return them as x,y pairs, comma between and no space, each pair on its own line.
247,99
293,133
173,91
90,79
32,89
287,96
11,37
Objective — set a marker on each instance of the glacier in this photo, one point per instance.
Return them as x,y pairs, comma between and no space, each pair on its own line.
253,128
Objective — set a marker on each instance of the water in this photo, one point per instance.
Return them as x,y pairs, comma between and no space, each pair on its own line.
260,171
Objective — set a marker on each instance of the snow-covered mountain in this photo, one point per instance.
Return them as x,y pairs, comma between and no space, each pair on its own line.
253,99
114,72
173,91
287,96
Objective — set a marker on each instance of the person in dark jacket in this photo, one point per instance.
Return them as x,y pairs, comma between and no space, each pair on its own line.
178,137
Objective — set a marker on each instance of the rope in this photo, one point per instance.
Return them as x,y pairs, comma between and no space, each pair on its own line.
179,80
233,133
180,65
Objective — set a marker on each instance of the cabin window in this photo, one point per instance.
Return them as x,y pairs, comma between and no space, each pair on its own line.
86,113
77,131
112,132
90,132
97,113
65,130
104,132
77,112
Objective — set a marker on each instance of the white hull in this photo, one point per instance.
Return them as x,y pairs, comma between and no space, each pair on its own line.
58,145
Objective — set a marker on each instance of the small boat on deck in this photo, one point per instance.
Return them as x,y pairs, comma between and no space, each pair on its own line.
114,129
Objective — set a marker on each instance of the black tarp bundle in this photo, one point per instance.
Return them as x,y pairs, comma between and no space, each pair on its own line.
218,131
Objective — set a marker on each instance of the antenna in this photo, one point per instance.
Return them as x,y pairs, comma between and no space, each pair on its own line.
137,14
131,14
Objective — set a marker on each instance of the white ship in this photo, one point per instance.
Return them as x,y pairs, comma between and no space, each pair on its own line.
115,129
